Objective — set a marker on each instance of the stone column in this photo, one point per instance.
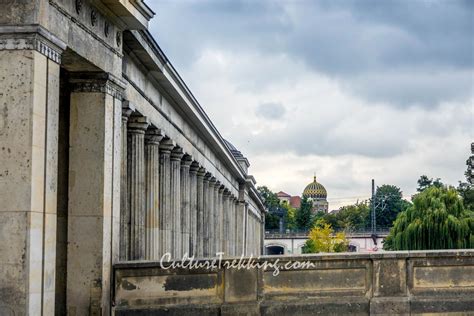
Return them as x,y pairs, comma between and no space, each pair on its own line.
153,137
212,216
262,235
165,221
127,109
232,226
29,107
193,208
185,205
176,156
220,220
241,208
94,191
226,197
200,227
215,221
137,126
206,214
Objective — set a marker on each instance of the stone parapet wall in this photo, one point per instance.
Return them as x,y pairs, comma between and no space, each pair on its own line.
377,284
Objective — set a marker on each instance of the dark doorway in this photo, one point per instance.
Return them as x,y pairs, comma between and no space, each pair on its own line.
275,250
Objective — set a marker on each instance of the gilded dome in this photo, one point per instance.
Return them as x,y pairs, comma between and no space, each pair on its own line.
315,190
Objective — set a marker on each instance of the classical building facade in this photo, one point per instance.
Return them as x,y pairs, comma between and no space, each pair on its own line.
105,156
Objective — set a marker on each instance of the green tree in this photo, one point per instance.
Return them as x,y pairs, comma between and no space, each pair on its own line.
353,217
436,220
304,215
322,239
466,191
290,216
424,182
271,201
388,203
350,217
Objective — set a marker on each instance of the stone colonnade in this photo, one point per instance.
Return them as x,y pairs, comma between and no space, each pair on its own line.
169,202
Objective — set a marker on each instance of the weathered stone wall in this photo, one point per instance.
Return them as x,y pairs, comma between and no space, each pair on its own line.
421,282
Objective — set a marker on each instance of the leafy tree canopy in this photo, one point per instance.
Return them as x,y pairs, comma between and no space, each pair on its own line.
350,217
389,202
270,200
424,182
323,239
436,220
304,215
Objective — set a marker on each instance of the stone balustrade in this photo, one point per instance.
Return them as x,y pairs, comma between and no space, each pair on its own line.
405,283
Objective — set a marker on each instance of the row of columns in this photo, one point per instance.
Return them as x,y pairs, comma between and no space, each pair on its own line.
169,202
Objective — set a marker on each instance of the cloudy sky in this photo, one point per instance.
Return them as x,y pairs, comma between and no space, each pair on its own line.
351,90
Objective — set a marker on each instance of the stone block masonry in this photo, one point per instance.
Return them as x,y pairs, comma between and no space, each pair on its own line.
389,283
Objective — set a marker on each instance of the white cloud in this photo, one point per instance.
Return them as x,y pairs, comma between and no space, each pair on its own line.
325,129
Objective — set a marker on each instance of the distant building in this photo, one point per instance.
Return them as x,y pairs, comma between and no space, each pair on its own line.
317,193
293,201
284,197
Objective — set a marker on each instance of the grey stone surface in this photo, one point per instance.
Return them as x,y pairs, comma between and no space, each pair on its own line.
152,175
116,200
335,284
137,126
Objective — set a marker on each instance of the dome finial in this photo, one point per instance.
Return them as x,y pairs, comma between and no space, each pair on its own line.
315,177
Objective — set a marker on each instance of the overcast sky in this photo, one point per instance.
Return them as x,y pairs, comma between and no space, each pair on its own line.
351,90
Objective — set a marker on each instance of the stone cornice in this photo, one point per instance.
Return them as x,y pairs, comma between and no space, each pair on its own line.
85,28
31,37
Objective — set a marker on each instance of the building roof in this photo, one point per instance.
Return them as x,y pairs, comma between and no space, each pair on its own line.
295,201
315,190
283,194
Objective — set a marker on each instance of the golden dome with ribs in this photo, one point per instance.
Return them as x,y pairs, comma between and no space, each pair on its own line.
315,190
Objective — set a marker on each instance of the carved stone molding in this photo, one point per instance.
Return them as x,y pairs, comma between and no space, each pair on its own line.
31,37
97,82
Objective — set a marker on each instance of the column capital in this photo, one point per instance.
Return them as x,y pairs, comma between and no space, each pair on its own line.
127,109
186,161
227,193
138,124
153,136
207,177
212,180
201,172
217,185
166,146
194,168
103,82
221,189
177,153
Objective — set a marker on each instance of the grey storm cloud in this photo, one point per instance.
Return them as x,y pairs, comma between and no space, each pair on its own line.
271,111
402,53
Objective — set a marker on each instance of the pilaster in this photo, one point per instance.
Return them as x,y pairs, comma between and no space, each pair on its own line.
94,193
